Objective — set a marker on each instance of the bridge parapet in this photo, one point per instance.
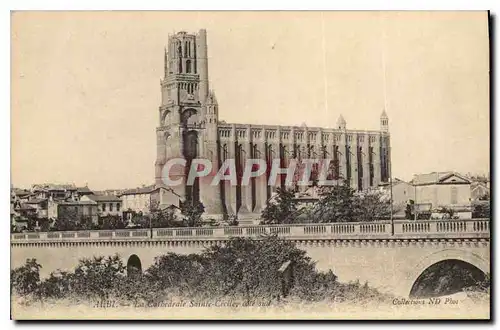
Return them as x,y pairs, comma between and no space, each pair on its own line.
475,228
443,227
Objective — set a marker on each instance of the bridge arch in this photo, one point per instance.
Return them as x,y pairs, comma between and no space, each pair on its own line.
134,265
460,257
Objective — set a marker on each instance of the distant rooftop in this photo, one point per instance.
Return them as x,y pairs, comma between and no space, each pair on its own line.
20,192
138,191
104,198
53,186
436,177
77,203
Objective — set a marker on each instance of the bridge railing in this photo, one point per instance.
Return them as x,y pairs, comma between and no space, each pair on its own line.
442,227
381,229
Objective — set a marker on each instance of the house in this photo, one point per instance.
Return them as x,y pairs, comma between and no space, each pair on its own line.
114,192
83,211
47,197
55,191
144,199
107,205
444,189
83,191
19,214
19,194
147,197
36,206
402,192
19,210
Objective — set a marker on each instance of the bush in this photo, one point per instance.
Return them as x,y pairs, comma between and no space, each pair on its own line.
281,208
242,269
111,222
25,280
481,210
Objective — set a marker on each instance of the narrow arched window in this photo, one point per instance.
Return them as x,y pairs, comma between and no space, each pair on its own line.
188,66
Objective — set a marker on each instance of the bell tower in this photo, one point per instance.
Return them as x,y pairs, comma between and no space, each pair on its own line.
188,115
180,111
384,122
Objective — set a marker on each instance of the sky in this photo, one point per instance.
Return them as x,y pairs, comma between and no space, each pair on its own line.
85,86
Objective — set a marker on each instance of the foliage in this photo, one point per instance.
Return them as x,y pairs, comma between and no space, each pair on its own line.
372,205
281,208
140,220
25,280
45,224
58,285
249,268
449,277
336,204
112,222
32,221
481,209
68,218
192,211
476,177
162,218
242,268
96,276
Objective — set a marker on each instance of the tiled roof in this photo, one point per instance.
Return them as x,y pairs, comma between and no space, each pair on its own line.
137,191
52,186
434,177
36,201
21,192
83,190
25,207
77,203
104,198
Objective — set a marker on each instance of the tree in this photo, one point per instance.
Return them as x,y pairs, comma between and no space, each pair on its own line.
67,219
481,209
161,218
192,211
32,219
281,208
372,205
336,204
341,203
250,268
140,220
26,279
96,277
111,222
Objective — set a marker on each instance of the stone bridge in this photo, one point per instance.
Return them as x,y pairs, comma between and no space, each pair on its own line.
390,258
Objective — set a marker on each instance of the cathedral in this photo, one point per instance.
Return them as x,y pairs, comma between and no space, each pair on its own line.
189,127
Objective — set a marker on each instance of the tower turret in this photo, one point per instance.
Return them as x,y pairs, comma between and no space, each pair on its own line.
384,122
341,124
